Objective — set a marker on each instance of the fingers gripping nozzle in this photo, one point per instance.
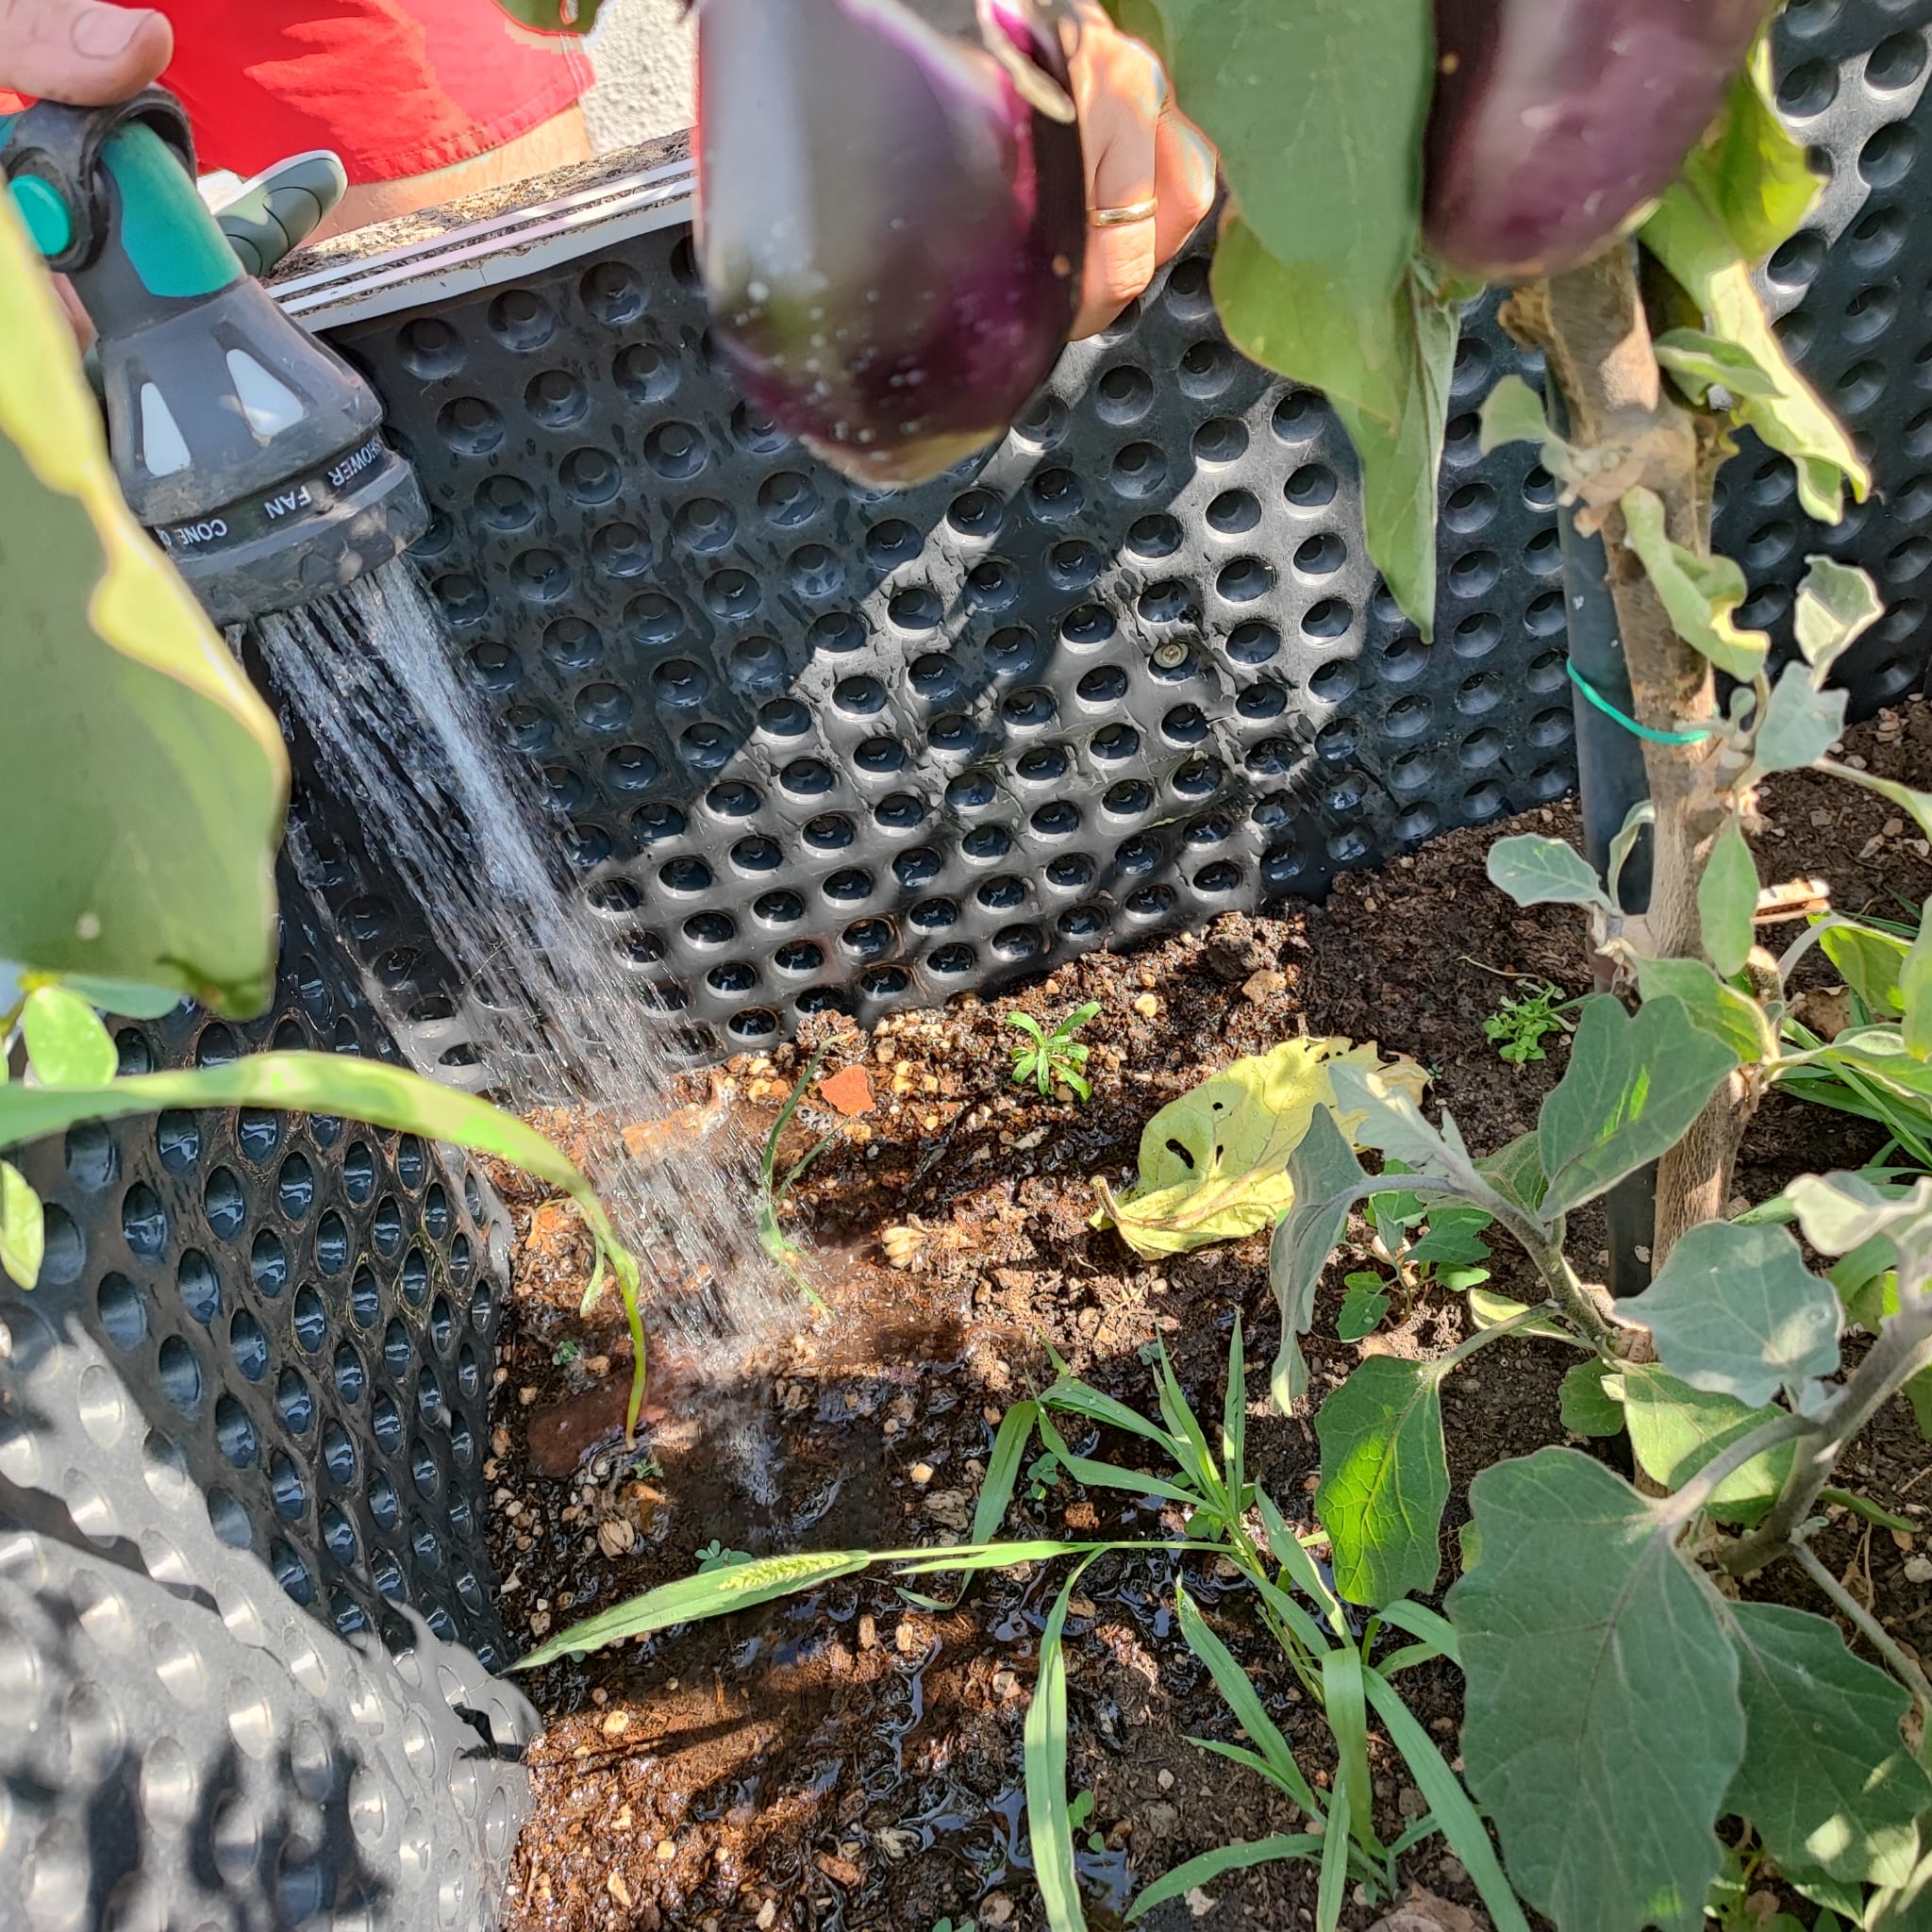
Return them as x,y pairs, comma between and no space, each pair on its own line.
253,452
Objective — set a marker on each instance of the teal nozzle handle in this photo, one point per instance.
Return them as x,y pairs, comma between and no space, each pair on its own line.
251,450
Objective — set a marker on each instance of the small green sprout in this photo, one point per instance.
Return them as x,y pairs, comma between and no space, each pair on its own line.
565,1353
1053,1059
1518,1027
1363,1307
714,1556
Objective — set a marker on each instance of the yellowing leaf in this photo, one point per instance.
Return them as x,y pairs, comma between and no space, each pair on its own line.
1214,1163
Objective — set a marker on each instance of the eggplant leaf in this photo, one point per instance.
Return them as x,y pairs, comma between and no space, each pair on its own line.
1735,1312
1326,1180
1727,901
1602,1726
1698,593
1214,1163
1535,871
1586,1406
1675,1430
1719,1009
23,1227
1385,1479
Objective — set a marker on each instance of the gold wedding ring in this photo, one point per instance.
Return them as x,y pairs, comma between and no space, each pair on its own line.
1123,217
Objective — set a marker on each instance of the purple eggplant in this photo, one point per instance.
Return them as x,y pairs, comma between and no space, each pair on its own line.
1555,121
889,227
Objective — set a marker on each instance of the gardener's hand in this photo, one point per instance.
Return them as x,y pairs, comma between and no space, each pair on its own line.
80,51
1142,154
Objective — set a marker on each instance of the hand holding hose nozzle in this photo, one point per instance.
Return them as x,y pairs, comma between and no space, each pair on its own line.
249,449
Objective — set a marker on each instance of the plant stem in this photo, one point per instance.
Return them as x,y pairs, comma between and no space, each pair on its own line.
1688,1501
1566,1290
1903,1348
1873,1632
1495,1332
1590,324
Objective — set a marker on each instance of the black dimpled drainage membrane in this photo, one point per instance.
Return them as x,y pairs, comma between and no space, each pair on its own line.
828,748
252,1384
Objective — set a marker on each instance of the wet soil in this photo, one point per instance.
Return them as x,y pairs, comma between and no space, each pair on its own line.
851,1761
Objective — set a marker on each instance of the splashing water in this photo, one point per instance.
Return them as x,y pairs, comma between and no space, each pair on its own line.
556,1020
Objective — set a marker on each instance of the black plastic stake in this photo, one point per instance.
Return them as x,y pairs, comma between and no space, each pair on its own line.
1611,779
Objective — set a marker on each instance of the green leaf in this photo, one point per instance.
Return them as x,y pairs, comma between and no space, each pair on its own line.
1727,901
145,781
1587,1409
1385,1117
1535,871
1676,1429
1697,361
1461,1823
66,1042
1690,234
1641,816
1361,1314
1003,1470
1800,724
1452,1239
1328,1180
1512,413
1491,1310
1234,1415
1836,605
1237,1689
1049,1828
1346,1708
1825,1779
1516,1173
1319,119
126,998
1698,593
1871,962
1633,1086
23,1227
1213,1164
1749,170
693,1599
1385,368
1915,990
1843,1211
1917,805
1735,1312
1602,1725
1385,1479
1242,1856
1727,1015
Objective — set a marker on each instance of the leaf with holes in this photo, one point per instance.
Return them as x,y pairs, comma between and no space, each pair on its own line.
1214,1163
1735,1312
1727,901
1698,593
1385,1479
23,1227
1826,1779
1634,1085
1535,871
1602,1726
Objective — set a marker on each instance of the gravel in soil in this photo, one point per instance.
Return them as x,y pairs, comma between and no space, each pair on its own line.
851,1760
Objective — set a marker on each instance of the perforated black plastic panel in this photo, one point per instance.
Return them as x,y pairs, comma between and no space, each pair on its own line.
253,1383
824,747
1852,291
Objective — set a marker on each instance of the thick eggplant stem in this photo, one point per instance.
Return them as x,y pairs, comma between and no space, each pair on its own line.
1591,326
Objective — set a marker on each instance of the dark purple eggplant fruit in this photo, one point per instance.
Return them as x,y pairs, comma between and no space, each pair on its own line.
890,233
1555,121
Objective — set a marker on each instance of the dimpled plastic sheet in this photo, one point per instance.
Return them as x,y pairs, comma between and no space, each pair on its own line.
246,1608
823,747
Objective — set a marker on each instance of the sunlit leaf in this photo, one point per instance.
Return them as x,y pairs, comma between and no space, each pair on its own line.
23,1227
1826,1779
1675,1430
1870,961
1697,361
1727,900
1242,1856
1836,605
1385,1479
1049,1829
1735,1312
1602,1725
66,1043
1360,1314
1633,1086
1585,1408
1915,989
1213,1164
1724,1012
1841,1211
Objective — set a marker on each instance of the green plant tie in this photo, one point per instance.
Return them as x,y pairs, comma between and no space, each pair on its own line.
1624,718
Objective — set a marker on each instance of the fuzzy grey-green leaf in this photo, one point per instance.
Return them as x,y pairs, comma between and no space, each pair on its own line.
1512,413
1836,605
1535,871
1602,1724
1727,901
1587,1409
1385,1479
1327,1179
1676,1429
1826,1779
1800,724
1634,1085
1735,1312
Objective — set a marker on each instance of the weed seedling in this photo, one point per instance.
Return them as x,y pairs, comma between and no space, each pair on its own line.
565,1353
773,1188
1518,1027
1054,1058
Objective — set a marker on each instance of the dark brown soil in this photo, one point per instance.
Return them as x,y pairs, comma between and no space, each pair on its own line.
849,1760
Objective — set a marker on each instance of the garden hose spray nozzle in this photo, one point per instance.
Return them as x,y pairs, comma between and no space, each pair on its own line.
251,451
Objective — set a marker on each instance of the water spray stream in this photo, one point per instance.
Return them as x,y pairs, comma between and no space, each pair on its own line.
553,1015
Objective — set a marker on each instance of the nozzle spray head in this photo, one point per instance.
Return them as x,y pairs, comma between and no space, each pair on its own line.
252,452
